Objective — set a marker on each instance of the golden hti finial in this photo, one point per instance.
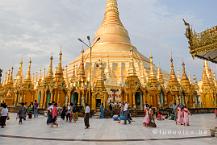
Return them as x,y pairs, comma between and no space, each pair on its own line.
28,74
11,75
184,80
111,13
44,76
81,71
131,69
160,77
152,77
50,68
205,80
59,70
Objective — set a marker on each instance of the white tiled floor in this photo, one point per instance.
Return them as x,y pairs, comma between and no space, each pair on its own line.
108,129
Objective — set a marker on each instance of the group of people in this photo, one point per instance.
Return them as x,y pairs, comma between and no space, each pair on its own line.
3,114
70,112
24,111
149,120
182,115
122,112
52,114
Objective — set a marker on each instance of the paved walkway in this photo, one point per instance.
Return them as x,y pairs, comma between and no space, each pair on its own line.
106,131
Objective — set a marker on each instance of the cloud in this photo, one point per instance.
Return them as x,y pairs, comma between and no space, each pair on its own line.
38,28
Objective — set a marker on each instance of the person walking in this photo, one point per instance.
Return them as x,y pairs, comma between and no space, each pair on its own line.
75,112
87,116
63,113
186,116
22,113
54,114
126,113
35,109
101,111
4,115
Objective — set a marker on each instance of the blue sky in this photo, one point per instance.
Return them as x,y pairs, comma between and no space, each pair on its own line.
38,28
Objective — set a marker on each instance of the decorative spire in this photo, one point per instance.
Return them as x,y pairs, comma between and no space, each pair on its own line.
205,80
131,70
10,79
44,74
28,74
73,78
184,81
160,77
81,72
19,76
152,77
100,75
59,70
67,78
50,69
108,70
173,82
112,26
111,13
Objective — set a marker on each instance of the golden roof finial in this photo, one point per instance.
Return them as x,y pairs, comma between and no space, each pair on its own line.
160,76
11,75
111,13
44,73
205,80
81,72
173,82
152,77
185,80
28,74
131,70
50,69
59,70
106,31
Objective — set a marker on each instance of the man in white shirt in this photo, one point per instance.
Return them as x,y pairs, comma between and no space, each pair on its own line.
87,116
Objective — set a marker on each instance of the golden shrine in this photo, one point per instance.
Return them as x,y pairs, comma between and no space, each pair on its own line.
111,70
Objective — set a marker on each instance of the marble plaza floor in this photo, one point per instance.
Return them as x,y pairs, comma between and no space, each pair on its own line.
106,131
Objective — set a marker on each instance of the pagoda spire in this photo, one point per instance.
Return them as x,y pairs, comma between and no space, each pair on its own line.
50,69
19,76
67,77
205,80
59,70
73,78
81,72
152,77
131,70
173,80
160,77
112,26
184,80
11,75
28,74
111,13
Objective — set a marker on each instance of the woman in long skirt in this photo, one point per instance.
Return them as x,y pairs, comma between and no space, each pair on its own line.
179,119
147,117
186,116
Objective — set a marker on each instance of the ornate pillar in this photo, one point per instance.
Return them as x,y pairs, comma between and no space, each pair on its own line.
134,100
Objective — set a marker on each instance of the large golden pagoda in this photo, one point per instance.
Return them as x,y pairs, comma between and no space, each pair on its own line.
115,45
119,73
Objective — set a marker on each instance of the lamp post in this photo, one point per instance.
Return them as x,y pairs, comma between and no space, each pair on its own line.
90,46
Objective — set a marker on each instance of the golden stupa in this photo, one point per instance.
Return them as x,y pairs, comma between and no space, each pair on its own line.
113,48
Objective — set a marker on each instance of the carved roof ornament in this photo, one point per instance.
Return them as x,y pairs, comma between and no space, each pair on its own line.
202,45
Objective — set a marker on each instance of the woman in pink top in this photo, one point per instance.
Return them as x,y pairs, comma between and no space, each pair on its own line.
54,114
186,116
